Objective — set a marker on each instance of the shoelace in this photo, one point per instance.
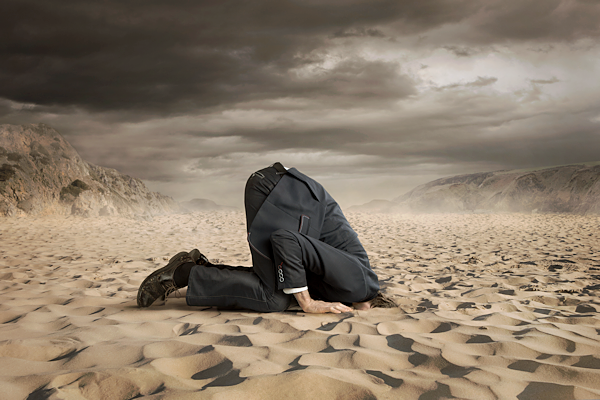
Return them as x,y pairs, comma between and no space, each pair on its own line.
170,288
169,285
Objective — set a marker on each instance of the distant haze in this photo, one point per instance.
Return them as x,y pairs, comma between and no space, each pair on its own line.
372,98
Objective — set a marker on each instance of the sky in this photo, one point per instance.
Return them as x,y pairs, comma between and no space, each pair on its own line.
369,97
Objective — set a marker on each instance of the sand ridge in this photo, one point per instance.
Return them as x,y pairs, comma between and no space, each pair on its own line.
490,307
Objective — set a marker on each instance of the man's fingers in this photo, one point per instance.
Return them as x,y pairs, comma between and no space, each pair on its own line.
323,307
339,308
343,307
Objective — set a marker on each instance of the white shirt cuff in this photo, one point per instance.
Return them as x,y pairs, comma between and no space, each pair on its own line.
295,290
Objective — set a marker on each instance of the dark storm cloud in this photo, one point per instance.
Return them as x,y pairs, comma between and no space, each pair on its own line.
544,81
183,56
359,32
186,56
539,20
461,51
177,56
480,82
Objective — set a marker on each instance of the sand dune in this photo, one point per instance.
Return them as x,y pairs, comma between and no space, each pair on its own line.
490,307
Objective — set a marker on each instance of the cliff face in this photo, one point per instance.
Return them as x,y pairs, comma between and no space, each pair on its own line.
41,173
563,189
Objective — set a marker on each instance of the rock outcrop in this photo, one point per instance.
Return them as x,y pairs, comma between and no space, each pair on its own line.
562,189
41,173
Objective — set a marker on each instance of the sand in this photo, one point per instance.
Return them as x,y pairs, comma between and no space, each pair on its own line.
490,307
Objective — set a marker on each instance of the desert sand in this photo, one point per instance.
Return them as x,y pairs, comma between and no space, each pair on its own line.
490,307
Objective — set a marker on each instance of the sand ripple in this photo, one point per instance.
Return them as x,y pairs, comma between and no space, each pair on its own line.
491,307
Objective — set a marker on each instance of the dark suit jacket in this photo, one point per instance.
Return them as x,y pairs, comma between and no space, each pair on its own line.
300,204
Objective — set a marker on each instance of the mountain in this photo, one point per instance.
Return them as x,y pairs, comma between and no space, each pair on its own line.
41,174
203,205
561,189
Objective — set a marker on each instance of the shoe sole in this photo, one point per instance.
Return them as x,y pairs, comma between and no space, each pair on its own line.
176,258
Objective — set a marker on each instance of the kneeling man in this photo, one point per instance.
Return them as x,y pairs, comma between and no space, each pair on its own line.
302,246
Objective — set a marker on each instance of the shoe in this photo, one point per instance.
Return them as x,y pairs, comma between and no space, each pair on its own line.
198,258
160,283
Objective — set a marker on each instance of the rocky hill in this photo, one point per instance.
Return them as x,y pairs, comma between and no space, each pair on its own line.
561,189
41,173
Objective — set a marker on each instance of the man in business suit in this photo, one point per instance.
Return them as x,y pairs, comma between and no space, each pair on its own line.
302,246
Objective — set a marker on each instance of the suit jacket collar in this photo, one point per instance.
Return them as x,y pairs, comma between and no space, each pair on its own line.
315,189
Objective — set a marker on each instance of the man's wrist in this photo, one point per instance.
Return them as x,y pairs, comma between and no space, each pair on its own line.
303,299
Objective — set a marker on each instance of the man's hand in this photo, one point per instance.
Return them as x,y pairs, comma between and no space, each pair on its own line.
317,306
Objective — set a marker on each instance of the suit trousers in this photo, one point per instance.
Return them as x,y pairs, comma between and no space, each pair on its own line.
308,262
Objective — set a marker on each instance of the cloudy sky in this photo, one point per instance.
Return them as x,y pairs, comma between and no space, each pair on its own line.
370,97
